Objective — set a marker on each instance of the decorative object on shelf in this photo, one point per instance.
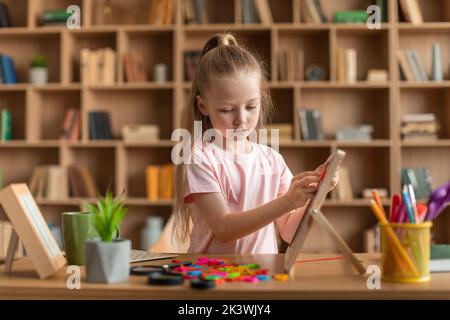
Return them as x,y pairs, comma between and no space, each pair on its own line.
77,227
355,133
377,75
291,65
419,127
159,181
98,66
437,63
5,125
39,71
311,124
151,232
107,260
140,133
55,18
315,72
7,70
160,73
356,16
5,18
99,125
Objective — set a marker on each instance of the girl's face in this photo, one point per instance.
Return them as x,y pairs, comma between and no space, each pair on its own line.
233,103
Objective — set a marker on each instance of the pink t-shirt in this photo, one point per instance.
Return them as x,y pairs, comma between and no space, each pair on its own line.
246,181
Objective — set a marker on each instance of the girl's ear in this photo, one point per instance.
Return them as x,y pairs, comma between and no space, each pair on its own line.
201,105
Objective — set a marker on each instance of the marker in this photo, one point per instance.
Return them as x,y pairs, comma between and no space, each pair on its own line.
407,202
412,196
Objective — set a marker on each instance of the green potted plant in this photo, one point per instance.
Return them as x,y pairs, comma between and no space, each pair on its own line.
39,70
107,259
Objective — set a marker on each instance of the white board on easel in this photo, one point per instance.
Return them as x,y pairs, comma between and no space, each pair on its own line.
30,227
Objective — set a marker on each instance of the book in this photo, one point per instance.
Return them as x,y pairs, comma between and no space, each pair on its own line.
85,76
415,13
200,11
377,75
404,10
109,66
88,182
383,5
418,64
319,8
311,13
350,65
191,59
405,66
340,65
356,16
8,69
414,66
263,9
5,18
6,130
138,66
152,182
51,16
304,129
165,179
99,125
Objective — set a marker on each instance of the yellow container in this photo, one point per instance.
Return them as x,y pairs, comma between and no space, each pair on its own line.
405,249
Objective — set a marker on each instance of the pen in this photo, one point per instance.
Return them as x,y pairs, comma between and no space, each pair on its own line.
376,196
412,196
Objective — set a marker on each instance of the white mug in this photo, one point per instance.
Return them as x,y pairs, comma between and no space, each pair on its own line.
160,73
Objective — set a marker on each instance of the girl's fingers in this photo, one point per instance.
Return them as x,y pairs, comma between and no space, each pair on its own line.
308,180
305,174
309,190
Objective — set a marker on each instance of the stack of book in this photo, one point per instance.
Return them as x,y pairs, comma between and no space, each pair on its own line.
5,19
161,12
312,11
420,179
57,183
411,66
372,240
5,125
191,59
5,235
410,11
346,64
7,70
71,126
255,11
98,66
311,124
135,68
55,18
99,125
343,191
419,127
285,131
291,65
160,182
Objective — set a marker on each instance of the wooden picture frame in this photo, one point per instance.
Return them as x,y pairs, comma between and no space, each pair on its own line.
30,227
312,211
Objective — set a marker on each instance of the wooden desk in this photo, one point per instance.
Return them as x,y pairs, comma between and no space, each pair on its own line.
309,280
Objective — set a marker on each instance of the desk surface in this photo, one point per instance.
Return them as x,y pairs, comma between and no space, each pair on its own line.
334,279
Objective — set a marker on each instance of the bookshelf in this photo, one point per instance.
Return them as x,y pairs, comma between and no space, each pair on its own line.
38,111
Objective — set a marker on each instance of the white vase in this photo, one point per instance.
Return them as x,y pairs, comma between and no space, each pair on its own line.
38,75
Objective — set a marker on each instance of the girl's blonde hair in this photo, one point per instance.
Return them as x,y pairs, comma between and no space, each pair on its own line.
221,57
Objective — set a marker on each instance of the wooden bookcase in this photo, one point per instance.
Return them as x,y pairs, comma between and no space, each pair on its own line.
38,112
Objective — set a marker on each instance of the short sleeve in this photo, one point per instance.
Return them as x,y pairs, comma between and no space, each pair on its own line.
200,178
285,177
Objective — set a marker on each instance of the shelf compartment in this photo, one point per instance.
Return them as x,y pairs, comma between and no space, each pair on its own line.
428,100
372,49
435,158
101,162
132,107
120,12
433,10
368,167
156,46
137,159
422,41
349,223
304,159
344,107
23,47
40,6
17,164
48,111
76,41
257,41
314,43
14,101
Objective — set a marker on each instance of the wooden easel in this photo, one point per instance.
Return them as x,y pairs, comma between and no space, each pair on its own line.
318,216
11,252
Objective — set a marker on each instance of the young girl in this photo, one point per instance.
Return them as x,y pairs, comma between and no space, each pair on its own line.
235,204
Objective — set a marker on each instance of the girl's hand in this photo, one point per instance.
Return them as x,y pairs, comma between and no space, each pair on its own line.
302,189
335,179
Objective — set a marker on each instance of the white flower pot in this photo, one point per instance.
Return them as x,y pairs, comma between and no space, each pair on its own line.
38,75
